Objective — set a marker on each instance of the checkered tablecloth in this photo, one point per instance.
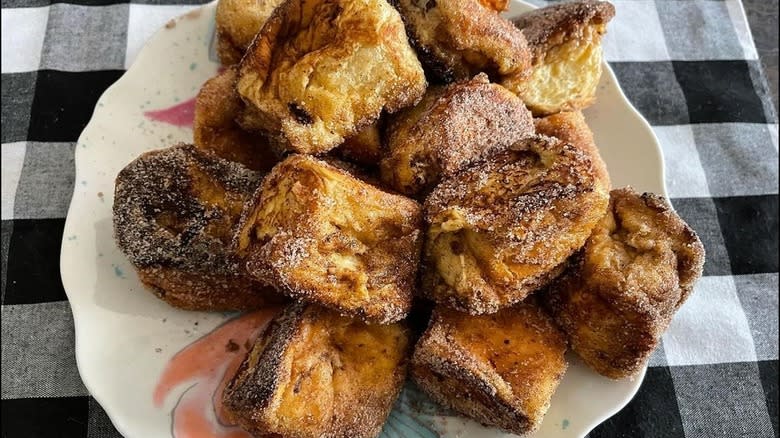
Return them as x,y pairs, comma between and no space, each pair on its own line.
691,69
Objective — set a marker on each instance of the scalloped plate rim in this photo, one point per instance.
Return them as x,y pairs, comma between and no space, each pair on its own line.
80,321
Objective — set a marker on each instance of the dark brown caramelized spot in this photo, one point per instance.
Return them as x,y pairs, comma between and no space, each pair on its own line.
178,207
300,114
457,39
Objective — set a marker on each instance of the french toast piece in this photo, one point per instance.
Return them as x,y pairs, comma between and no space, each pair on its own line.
321,235
238,21
175,212
622,290
503,228
565,40
321,70
570,127
501,369
215,129
457,39
452,127
314,373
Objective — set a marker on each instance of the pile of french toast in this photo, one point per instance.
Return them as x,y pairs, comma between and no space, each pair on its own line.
414,182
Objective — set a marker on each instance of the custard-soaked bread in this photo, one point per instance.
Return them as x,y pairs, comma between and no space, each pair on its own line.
314,373
500,369
501,229
450,128
238,21
365,147
456,39
215,129
570,127
565,40
623,289
175,212
321,235
320,70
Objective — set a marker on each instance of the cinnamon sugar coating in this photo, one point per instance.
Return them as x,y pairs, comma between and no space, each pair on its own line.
620,293
452,127
175,212
570,127
314,373
503,228
457,39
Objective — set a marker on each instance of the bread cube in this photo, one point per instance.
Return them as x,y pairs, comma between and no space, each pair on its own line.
565,42
457,39
622,290
321,235
314,373
175,212
216,130
503,228
452,127
500,370
321,70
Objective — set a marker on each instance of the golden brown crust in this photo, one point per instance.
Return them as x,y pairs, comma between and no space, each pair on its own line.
565,40
452,127
503,228
621,292
215,128
570,127
500,369
314,373
321,70
208,292
175,212
321,235
238,21
457,39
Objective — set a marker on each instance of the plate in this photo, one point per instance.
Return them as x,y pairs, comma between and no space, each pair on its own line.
136,354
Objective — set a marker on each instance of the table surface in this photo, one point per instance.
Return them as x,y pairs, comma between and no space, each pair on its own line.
693,71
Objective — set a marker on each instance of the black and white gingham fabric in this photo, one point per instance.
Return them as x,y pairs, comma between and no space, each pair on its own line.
689,66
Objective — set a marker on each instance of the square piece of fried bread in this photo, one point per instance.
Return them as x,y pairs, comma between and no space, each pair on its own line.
321,70
500,369
321,235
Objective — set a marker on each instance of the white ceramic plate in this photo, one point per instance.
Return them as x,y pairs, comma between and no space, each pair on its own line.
125,338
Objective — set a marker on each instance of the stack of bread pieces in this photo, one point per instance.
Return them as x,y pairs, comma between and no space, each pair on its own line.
414,181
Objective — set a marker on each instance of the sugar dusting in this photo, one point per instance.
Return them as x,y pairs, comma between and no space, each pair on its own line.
161,183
